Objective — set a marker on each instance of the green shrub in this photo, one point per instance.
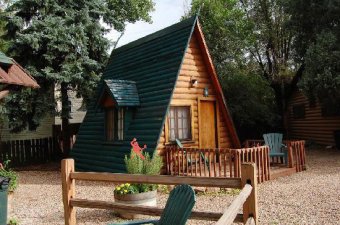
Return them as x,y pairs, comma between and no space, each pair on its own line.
13,222
135,165
9,173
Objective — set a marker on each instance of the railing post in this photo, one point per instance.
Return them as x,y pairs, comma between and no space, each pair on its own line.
68,190
248,176
290,154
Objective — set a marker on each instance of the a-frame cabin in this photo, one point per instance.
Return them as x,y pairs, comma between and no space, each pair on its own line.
159,88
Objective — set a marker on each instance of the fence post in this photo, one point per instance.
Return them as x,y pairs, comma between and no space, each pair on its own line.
68,190
248,176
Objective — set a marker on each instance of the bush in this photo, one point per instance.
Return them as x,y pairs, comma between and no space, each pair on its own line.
9,173
252,103
136,165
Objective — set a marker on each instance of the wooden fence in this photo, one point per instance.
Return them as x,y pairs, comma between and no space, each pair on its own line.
28,152
216,162
247,197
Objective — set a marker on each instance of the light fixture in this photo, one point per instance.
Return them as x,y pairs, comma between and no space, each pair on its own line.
193,82
206,92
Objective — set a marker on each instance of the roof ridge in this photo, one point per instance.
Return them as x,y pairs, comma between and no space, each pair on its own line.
156,34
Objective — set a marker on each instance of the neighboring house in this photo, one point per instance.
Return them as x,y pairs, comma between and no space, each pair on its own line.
159,88
310,122
12,75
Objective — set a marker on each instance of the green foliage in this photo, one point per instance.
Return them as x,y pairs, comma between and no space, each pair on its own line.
317,41
13,222
150,165
136,165
252,103
240,33
9,173
321,78
62,43
126,189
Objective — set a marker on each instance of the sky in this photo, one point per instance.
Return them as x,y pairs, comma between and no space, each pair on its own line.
167,12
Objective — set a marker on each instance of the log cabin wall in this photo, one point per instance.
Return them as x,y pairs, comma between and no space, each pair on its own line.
194,67
312,126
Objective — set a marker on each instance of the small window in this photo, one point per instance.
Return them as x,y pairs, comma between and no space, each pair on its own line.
179,123
114,124
299,111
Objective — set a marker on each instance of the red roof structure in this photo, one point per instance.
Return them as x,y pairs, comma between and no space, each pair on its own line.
17,75
11,73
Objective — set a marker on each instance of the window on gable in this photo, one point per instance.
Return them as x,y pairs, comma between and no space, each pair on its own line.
299,111
114,124
180,123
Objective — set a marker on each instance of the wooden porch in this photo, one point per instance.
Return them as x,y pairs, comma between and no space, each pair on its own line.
227,162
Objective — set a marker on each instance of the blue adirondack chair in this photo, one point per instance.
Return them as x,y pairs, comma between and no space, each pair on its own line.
177,209
276,147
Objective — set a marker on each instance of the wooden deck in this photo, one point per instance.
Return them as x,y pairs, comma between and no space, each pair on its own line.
227,162
280,171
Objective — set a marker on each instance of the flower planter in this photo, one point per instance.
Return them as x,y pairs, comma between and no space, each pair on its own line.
145,199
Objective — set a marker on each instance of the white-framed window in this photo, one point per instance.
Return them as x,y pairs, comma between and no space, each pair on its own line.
114,124
180,123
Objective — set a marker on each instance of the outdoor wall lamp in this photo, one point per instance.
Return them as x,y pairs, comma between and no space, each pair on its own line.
206,92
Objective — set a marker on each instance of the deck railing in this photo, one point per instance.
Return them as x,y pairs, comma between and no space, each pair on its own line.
216,162
247,197
296,152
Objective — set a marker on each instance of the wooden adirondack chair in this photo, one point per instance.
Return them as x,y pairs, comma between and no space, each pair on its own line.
276,147
177,209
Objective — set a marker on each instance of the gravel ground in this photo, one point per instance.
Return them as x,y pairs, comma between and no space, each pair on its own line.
309,197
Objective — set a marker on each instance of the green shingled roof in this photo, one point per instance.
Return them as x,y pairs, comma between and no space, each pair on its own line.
153,63
123,92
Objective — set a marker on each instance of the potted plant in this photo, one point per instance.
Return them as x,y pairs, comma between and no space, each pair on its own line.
139,194
7,172
6,193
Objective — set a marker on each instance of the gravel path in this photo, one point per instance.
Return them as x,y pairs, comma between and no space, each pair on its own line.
309,197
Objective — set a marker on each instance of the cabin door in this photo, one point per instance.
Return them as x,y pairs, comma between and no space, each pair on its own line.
207,124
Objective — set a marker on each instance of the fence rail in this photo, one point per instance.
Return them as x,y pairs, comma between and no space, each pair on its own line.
29,152
248,197
216,162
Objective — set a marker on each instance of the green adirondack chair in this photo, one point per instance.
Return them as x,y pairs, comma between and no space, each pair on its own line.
177,209
276,147
205,160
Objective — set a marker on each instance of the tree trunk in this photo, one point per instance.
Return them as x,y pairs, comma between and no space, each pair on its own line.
65,112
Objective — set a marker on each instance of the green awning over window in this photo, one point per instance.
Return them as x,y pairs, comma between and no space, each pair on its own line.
124,92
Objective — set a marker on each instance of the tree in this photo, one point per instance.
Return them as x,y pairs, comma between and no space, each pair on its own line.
62,43
317,47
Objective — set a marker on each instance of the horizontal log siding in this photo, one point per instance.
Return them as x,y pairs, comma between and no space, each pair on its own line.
44,130
194,67
314,126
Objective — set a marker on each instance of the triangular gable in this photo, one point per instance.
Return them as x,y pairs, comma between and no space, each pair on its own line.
220,97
